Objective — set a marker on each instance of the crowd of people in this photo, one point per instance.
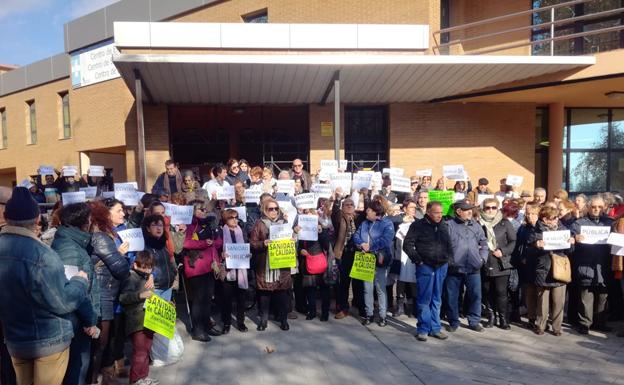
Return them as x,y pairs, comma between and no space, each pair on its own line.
72,294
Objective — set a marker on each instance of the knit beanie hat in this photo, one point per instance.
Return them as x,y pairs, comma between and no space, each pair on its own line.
21,206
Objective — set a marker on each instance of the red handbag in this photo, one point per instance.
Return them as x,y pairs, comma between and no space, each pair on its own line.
316,264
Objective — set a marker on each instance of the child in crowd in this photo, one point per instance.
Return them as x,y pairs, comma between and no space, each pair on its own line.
132,297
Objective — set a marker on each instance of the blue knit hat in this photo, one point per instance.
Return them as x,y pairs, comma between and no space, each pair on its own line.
22,206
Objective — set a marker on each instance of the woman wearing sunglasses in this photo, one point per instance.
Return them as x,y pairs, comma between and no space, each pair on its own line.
501,240
272,284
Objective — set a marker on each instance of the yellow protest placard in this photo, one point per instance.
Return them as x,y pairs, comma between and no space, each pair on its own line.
282,254
160,316
363,266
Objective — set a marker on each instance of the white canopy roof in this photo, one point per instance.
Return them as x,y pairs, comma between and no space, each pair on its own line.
304,77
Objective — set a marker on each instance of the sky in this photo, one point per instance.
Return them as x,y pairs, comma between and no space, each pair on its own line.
32,30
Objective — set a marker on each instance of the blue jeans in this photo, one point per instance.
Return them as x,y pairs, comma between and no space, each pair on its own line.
381,276
430,282
79,357
472,297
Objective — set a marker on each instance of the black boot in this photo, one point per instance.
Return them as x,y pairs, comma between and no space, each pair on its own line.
490,319
502,322
400,307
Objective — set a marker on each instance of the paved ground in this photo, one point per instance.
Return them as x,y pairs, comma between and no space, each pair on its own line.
345,352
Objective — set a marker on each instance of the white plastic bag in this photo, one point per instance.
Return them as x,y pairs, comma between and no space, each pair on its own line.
167,351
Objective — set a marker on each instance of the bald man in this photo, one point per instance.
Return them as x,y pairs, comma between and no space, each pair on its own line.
297,172
5,195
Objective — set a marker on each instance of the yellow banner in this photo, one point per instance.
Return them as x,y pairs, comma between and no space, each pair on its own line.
363,266
160,316
282,254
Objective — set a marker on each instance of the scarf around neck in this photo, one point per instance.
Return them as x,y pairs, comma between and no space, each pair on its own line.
271,275
239,275
489,222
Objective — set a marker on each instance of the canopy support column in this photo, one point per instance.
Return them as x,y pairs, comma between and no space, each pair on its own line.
337,117
141,177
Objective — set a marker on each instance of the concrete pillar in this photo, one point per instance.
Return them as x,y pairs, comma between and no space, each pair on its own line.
556,122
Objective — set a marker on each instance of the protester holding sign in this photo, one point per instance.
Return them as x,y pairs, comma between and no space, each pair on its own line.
132,297
272,284
590,262
551,293
219,172
111,267
202,243
164,270
501,241
236,282
481,189
375,235
298,173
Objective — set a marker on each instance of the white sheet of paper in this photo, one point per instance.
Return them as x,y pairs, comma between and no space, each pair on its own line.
70,271
286,186
396,171
482,197
253,196
96,170
277,232
26,183
238,255
377,182
90,192
242,212
458,196
73,197
514,180
617,250
322,190
454,171
616,239
127,193
342,180
226,193
289,210
108,194
306,201
134,237
595,235
400,184
556,240
46,170
69,170
425,172
181,215
309,227
362,180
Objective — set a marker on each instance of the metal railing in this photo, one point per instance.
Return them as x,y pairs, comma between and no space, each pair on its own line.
551,25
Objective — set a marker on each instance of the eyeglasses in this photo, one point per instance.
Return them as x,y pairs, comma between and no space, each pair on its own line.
597,207
272,208
487,208
415,182
232,217
234,166
203,210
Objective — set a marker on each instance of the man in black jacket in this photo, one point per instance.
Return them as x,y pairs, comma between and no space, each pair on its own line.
428,245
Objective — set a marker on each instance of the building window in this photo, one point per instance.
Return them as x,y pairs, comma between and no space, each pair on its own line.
598,42
261,16
5,128
594,150
366,137
31,122
541,147
65,120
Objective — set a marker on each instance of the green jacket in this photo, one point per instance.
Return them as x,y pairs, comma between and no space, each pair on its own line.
71,243
131,289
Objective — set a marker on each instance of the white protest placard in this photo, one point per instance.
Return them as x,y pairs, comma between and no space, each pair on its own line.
277,232
342,180
343,164
322,190
514,180
90,192
46,170
26,183
238,255
400,184
70,271
394,171
134,237
459,196
127,193
286,186
595,235
556,240
424,172
96,170
108,194
306,201
225,193
73,197
289,210
242,212
454,171
482,197
70,170
309,228
616,239
362,180
617,250
253,196
329,166
180,215
377,181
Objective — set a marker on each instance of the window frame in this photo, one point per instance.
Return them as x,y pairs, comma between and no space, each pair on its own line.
31,106
65,129
4,129
252,17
